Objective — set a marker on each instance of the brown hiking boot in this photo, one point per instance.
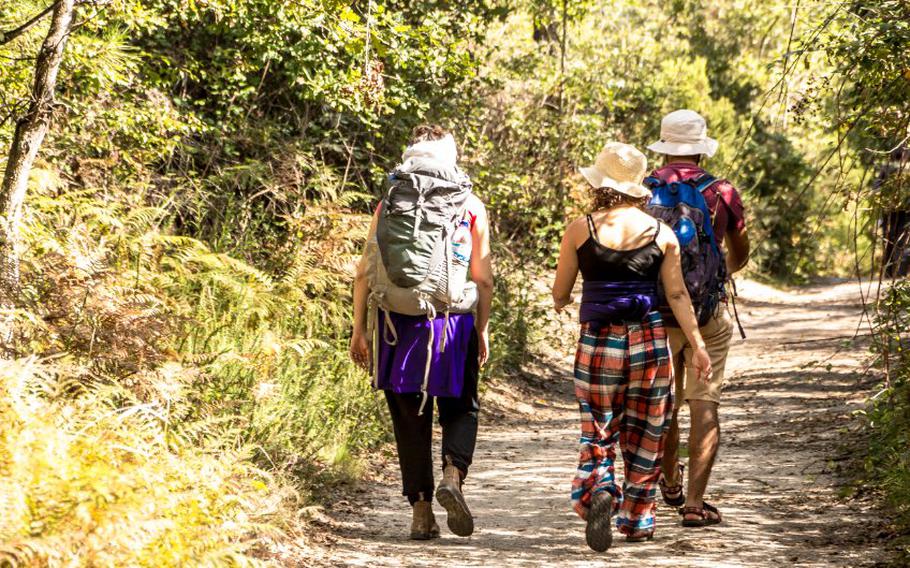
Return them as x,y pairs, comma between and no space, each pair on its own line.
423,522
450,497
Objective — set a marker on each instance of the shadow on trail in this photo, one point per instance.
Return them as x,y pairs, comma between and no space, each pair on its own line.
785,417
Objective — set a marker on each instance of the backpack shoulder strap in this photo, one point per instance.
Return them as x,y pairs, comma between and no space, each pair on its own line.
652,181
703,182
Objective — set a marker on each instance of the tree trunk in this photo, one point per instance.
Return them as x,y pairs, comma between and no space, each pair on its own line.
29,134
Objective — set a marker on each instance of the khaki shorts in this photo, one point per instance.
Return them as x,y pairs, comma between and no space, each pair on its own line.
717,334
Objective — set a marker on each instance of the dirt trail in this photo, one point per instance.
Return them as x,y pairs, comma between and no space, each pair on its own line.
786,415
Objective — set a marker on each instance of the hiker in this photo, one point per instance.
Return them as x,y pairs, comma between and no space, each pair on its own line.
684,142
895,217
420,326
622,365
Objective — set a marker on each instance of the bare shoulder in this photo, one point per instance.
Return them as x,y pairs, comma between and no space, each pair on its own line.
577,231
641,218
666,239
475,205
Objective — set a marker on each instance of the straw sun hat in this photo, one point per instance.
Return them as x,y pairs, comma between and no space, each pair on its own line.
619,167
684,133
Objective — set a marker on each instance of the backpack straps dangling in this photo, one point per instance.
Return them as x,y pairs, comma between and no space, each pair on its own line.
431,316
739,324
373,331
389,327
445,333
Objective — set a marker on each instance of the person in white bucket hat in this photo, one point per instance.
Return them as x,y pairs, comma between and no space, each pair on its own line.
684,142
622,365
684,133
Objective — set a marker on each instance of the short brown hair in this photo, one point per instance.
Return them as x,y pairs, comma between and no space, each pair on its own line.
427,132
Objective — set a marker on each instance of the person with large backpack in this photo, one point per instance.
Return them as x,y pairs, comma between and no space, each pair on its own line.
422,297
623,374
706,213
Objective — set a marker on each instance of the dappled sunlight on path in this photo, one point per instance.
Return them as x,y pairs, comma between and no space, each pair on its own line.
792,388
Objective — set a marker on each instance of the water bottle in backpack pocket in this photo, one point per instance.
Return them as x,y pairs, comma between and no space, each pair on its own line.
682,206
461,243
451,288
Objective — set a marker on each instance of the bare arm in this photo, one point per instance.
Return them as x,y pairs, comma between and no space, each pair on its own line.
675,289
566,270
361,290
678,297
737,243
482,276
359,342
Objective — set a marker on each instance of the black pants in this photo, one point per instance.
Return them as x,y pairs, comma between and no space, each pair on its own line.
414,434
896,231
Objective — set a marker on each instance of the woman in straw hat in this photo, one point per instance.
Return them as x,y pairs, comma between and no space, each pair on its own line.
622,365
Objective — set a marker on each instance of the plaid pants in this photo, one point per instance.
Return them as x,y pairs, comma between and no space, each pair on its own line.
622,381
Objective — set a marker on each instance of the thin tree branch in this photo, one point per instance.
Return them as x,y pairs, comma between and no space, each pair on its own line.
8,36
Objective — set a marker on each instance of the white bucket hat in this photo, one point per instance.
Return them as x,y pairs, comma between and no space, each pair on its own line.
684,133
620,167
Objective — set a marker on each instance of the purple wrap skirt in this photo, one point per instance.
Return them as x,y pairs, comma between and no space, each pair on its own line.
402,366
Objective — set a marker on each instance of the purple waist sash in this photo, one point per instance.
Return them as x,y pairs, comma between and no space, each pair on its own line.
605,302
402,366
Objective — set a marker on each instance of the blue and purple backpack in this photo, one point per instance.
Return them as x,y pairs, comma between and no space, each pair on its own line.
681,205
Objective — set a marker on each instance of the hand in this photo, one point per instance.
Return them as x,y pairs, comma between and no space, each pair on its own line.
483,347
360,350
702,362
559,305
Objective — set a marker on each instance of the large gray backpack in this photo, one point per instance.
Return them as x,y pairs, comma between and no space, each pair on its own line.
413,269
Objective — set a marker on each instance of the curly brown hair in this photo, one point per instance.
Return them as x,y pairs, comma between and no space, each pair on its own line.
607,198
427,132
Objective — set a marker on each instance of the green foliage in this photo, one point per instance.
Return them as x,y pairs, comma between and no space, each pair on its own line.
116,291
863,100
543,115
90,475
783,207
870,45
517,315
888,461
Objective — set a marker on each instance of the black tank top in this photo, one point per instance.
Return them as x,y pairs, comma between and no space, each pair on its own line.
600,263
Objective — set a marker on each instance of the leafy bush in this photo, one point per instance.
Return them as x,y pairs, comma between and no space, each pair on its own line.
782,212
93,476
888,461
517,316
110,287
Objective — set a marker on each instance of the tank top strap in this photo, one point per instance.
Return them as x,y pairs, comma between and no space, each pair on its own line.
657,232
592,230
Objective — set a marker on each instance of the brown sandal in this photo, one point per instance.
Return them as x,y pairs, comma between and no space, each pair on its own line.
704,512
673,494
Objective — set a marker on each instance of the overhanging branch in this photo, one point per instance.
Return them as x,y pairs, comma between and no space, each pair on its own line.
8,36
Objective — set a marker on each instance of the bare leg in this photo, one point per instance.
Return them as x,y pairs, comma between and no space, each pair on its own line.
669,463
704,439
